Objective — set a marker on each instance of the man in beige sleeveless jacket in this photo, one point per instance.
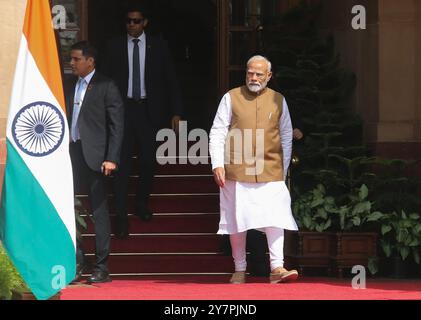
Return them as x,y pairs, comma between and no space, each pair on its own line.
250,147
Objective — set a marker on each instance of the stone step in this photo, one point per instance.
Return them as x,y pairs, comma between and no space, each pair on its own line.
169,203
160,243
131,264
167,223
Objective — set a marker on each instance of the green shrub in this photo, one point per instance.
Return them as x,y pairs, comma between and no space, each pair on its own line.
313,210
401,235
10,279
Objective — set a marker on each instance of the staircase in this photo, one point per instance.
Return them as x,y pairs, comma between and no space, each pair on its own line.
181,238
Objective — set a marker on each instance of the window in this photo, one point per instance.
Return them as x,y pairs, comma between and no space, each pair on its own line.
75,26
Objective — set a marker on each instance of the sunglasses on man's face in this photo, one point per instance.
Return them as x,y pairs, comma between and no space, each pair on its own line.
135,21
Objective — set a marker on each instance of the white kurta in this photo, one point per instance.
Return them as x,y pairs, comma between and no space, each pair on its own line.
246,206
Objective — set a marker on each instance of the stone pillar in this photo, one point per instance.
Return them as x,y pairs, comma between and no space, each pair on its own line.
399,123
11,21
396,71
417,124
386,58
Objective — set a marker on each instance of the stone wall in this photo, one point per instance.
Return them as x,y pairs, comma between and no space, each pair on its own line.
386,58
359,53
11,21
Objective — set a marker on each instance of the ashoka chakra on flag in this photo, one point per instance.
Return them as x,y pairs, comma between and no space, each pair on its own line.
38,129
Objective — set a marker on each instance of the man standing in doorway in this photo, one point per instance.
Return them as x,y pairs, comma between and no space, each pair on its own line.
142,67
250,147
95,113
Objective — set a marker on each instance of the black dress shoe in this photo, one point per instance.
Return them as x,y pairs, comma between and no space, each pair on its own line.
79,271
122,234
121,229
99,276
145,214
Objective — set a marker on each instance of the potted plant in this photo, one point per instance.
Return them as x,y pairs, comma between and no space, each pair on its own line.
395,185
356,241
401,241
313,245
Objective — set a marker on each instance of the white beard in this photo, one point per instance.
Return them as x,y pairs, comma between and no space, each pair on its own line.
256,87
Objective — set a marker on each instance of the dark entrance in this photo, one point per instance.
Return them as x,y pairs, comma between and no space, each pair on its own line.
189,26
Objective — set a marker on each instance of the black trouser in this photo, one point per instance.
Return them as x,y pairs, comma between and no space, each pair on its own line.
139,132
94,183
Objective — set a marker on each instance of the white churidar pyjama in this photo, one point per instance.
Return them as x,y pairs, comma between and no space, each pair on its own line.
275,238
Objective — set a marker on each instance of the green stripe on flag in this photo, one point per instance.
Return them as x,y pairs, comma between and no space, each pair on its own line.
32,232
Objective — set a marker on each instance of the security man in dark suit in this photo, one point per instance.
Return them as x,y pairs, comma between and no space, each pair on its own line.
95,114
142,68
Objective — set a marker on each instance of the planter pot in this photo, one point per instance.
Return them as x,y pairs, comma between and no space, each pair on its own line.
17,295
308,249
353,248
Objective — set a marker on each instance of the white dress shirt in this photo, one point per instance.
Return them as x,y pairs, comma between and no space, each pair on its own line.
87,79
243,205
77,101
142,56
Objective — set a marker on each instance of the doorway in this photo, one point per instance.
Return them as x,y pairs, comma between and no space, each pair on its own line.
190,28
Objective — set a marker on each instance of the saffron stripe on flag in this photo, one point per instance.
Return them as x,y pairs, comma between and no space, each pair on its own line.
41,39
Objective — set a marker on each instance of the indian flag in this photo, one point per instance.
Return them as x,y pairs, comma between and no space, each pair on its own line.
37,222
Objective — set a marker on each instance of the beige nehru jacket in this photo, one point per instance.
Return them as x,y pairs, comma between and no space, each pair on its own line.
253,149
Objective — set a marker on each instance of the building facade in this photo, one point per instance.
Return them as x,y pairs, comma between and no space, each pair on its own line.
209,39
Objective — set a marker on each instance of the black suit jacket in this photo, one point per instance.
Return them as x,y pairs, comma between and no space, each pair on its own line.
101,120
163,93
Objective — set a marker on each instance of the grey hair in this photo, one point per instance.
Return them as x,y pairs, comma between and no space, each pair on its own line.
258,57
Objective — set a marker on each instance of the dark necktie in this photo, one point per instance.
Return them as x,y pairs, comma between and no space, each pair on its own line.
136,70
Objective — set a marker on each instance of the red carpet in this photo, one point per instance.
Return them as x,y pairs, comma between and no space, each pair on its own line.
216,288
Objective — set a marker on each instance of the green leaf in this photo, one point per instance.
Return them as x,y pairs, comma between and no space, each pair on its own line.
356,221
373,265
417,228
316,202
319,228
402,234
344,210
414,243
414,216
321,188
404,251
375,216
307,222
322,213
386,229
80,221
406,224
362,207
330,200
387,249
363,192
331,208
